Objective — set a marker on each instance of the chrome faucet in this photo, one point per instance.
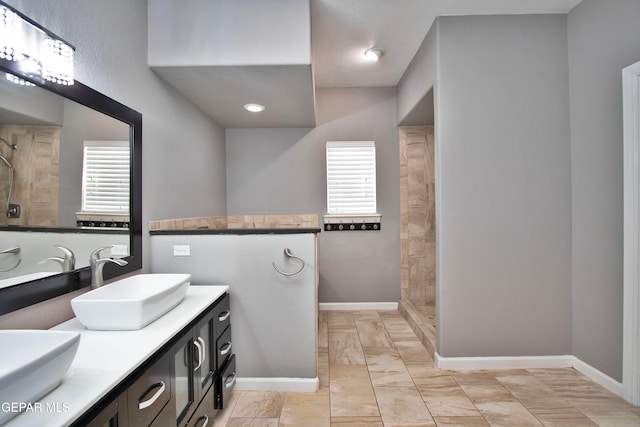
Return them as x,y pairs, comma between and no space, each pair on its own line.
98,263
68,262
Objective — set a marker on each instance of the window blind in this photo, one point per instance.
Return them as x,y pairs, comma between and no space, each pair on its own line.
105,177
351,177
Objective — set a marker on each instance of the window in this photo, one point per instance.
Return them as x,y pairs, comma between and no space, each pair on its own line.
105,177
351,178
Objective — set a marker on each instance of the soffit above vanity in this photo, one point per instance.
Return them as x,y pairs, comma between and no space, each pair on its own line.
222,55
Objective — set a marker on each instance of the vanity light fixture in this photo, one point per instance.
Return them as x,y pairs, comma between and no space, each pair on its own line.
374,54
36,52
254,108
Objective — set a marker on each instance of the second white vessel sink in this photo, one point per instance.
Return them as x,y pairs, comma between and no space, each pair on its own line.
131,303
32,363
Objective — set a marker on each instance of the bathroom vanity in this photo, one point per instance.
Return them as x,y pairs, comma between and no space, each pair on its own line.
178,370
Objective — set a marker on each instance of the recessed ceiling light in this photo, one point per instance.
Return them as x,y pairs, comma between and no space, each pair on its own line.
254,108
374,54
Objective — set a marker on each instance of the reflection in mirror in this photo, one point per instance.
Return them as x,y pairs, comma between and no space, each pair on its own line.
43,137
43,133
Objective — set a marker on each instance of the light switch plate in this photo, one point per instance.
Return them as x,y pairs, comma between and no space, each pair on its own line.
119,250
181,250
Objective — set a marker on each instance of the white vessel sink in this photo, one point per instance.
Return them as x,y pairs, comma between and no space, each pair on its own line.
130,303
32,363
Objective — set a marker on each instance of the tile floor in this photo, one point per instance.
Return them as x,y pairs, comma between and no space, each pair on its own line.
374,372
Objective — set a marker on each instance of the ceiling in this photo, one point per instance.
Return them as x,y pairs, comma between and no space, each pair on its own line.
342,29
340,32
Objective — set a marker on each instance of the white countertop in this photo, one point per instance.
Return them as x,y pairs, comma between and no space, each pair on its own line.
105,358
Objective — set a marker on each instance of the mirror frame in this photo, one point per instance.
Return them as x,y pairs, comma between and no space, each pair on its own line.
28,293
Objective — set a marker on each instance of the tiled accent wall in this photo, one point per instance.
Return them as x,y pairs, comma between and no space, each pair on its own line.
35,180
417,214
235,222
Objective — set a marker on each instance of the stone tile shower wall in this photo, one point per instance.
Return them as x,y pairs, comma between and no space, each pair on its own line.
35,181
417,214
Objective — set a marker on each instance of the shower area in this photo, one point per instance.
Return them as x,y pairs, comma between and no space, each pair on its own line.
418,232
6,177
29,171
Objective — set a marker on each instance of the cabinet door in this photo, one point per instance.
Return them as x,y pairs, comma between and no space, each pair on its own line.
114,415
204,340
183,367
150,393
205,413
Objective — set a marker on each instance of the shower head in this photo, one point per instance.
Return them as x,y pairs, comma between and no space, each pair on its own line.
10,145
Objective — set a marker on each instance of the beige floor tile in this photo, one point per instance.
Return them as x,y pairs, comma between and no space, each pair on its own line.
613,418
568,417
323,334
402,406
391,382
451,406
484,376
413,353
485,393
373,333
366,315
351,391
258,404
444,385
323,367
536,396
507,414
356,422
306,409
252,422
386,367
461,422
341,321
345,349
426,371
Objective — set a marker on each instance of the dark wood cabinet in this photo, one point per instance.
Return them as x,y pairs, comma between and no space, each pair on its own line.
197,359
183,384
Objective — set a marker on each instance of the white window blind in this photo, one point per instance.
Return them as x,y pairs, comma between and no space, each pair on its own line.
351,177
105,177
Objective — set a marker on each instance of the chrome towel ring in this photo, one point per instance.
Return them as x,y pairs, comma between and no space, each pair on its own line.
288,253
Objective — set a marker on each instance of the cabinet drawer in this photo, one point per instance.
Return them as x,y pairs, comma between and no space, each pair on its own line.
223,348
205,413
221,316
225,382
150,393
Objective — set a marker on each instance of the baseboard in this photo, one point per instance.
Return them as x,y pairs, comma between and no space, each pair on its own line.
355,306
519,362
531,362
598,377
278,384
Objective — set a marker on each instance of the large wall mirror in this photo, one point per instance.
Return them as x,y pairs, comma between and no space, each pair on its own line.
44,131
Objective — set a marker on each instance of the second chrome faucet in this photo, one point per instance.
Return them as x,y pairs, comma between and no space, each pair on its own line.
97,263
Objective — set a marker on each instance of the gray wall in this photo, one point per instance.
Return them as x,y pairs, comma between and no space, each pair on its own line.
183,150
603,39
419,78
503,185
283,171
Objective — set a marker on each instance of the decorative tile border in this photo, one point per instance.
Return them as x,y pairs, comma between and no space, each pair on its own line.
232,222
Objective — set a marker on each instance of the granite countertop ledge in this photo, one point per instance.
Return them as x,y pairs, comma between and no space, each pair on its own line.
106,358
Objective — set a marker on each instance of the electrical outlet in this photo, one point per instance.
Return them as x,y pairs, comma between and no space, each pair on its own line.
119,250
181,250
